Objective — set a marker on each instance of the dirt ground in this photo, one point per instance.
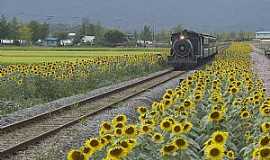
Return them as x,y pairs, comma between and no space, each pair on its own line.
261,66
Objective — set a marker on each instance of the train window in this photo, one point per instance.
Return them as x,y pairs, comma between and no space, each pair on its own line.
205,41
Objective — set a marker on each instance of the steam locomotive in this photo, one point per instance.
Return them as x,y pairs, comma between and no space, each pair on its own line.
190,49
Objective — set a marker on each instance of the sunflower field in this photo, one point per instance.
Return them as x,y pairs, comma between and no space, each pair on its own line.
220,112
30,84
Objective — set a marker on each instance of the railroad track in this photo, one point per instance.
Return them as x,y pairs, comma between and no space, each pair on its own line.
19,135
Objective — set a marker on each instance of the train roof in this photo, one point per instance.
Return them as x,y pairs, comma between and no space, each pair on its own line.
199,34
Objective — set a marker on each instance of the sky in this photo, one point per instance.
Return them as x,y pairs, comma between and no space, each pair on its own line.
208,15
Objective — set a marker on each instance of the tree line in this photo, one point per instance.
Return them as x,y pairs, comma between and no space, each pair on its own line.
33,31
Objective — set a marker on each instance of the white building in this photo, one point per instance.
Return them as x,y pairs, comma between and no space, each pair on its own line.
263,35
88,39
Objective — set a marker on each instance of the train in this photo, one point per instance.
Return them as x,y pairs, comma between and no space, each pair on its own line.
190,49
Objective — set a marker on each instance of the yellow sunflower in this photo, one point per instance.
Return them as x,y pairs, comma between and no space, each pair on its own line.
215,116
265,127
130,131
245,114
93,143
264,141
169,149
264,153
230,155
181,143
214,152
75,155
220,137
117,152
187,126
166,125
120,118
177,129
157,138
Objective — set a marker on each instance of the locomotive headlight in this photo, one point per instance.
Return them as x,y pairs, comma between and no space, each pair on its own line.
182,37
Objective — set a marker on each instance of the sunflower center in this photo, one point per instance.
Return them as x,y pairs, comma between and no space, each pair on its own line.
94,143
169,148
119,125
219,138
214,152
264,141
214,115
124,144
157,137
145,128
166,124
116,152
86,150
107,126
265,152
180,142
118,131
177,128
77,155
120,118
130,130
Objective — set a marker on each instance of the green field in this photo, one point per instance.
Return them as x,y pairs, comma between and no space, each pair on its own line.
15,55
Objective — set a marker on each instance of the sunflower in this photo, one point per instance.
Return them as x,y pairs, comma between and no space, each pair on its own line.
187,103
215,116
264,141
214,152
167,96
93,143
145,129
130,131
117,152
234,90
166,125
86,151
187,126
119,125
118,132
245,114
108,137
220,137
181,143
177,129
167,102
265,127
265,112
120,118
106,127
141,110
168,149
124,143
76,155
157,138
230,155
264,153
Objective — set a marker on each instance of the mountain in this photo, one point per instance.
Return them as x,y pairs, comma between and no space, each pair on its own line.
206,15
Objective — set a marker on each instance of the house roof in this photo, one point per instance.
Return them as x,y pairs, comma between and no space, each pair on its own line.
262,32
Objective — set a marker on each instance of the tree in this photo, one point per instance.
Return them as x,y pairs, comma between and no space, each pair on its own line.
146,34
112,37
25,33
4,27
13,29
39,31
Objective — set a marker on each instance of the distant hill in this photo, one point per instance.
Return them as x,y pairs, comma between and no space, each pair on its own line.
206,15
